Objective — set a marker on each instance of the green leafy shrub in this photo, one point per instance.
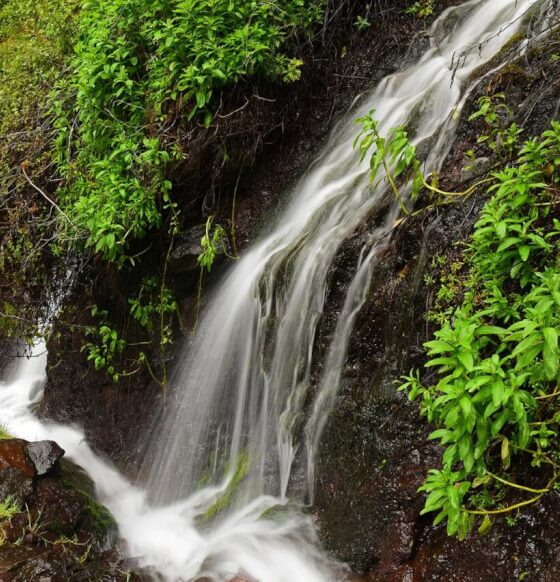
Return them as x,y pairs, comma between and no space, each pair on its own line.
496,358
138,64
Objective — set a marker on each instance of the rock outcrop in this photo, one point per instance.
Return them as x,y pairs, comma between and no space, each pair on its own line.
53,530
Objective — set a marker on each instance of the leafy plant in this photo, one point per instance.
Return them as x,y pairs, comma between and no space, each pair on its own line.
362,23
106,345
213,240
496,357
493,110
9,508
135,59
394,159
393,154
421,8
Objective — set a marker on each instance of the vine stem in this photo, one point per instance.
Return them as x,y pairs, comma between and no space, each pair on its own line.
394,187
515,506
466,192
517,486
504,509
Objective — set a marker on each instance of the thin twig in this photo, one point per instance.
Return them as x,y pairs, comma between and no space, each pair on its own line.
51,202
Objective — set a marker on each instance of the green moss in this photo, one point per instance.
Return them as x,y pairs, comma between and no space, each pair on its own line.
101,521
35,38
4,434
242,468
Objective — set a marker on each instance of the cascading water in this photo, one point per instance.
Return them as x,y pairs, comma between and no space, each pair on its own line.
242,425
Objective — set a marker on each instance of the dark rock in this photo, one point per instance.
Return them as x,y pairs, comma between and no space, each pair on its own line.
14,484
13,454
13,557
44,455
51,566
61,509
184,257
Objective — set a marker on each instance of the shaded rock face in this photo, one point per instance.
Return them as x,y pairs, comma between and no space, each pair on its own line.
375,453
59,533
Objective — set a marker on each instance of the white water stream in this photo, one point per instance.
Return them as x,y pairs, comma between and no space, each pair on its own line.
243,419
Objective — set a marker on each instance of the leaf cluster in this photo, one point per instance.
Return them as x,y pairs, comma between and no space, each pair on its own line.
496,360
136,62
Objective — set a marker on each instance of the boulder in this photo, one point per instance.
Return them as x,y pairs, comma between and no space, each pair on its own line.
44,455
184,257
14,484
13,455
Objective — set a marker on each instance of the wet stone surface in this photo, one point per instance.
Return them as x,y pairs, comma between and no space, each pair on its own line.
43,455
59,533
375,451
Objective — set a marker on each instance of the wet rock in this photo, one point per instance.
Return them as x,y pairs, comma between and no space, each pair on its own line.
14,484
13,557
184,257
44,455
21,462
61,509
51,566
13,454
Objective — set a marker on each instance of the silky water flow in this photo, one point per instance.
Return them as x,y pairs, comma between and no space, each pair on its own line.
235,450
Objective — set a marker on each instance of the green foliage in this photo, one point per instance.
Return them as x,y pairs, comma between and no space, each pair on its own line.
210,244
421,8
153,300
362,23
9,508
496,358
139,62
105,346
35,37
495,113
450,284
393,154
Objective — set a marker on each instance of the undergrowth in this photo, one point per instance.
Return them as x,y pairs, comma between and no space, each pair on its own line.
9,508
496,359
491,388
141,64
36,38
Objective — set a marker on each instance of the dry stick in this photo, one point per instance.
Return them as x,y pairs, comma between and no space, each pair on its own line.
54,204
234,241
548,396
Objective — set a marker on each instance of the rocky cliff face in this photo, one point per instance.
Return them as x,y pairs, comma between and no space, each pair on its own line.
375,452
343,64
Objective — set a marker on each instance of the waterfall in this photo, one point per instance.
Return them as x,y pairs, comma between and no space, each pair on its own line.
236,449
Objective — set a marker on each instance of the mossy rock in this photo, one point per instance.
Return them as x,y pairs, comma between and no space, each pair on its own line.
97,519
